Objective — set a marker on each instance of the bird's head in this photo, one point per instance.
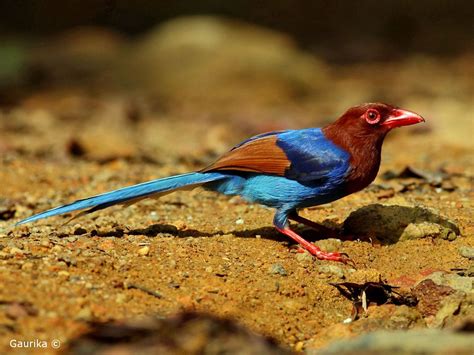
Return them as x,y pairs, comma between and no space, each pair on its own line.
376,119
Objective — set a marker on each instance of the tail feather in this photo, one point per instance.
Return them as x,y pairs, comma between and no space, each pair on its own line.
130,194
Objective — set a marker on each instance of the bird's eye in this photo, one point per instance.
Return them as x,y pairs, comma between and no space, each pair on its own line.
372,116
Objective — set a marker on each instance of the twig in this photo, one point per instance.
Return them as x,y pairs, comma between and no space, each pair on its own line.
144,289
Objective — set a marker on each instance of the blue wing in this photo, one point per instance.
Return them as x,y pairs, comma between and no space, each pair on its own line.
312,155
303,155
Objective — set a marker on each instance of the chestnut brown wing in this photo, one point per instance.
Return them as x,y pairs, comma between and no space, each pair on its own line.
261,155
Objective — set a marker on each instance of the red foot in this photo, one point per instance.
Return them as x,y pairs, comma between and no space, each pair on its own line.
314,250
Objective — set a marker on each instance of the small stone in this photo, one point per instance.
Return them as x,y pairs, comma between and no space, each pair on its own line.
427,230
239,221
63,273
180,225
45,242
467,252
56,249
144,251
304,257
106,245
27,266
61,265
299,346
329,245
208,269
332,269
277,269
84,314
121,298
15,250
15,311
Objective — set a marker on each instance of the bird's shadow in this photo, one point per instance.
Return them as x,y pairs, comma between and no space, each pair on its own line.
386,223
156,229
264,232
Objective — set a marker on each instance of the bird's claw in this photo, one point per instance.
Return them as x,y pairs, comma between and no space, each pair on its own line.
345,259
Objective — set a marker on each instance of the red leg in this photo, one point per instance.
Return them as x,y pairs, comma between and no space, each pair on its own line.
313,249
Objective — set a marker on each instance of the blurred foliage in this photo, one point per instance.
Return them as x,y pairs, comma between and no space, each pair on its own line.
12,62
338,30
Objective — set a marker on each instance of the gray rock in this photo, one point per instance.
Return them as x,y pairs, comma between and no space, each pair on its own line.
449,306
403,342
467,252
391,223
455,281
332,269
304,257
329,245
277,269
425,230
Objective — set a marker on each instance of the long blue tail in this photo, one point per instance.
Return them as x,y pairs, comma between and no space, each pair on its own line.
130,194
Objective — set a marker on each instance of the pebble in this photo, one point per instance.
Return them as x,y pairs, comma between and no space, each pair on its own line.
332,269
56,249
106,245
299,346
121,298
427,229
180,225
15,250
467,252
27,266
15,311
277,269
329,245
84,314
304,257
239,221
61,264
144,251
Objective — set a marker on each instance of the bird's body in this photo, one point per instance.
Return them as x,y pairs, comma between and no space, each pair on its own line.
285,170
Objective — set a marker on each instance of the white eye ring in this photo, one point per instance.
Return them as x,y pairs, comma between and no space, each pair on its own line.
372,116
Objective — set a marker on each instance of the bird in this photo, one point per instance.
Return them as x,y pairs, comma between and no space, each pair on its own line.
287,170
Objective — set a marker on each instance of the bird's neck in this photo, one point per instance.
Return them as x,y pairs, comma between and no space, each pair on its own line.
365,151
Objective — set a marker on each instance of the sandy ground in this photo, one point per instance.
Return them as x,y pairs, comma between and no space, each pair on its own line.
195,249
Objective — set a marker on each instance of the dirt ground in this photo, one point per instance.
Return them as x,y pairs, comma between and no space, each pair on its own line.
197,250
